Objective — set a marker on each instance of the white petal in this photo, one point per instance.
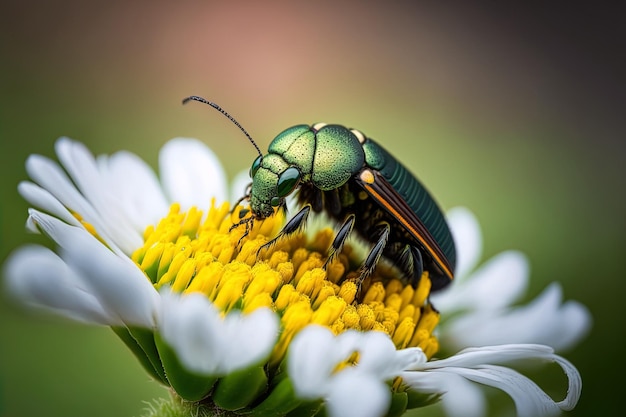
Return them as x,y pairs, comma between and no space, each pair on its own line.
477,364
82,167
503,354
460,398
239,185
379,355
312,357
119,285
189,325
354,391
52,178
551,323
574,385
38,277
43,200
575,324
500,354
543,321
31,226
191,174
530,400
206,343
360,390
136,186
80,164
464,399
251,337
468,240
497,284
357,394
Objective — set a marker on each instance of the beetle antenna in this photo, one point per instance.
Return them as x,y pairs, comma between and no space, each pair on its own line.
231,118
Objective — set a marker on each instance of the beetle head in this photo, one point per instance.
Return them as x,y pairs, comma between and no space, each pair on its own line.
272,181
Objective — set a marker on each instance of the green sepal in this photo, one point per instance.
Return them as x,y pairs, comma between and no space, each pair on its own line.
417,399
279,376
281,400
399,402
188,385
142,346
238,389
306,409
145,339
323,411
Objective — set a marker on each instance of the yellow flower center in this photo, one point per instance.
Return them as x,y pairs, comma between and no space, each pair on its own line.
189,254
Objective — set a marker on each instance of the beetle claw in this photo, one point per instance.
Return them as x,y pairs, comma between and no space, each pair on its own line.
411,261
296,223
340,239
369,265
249,223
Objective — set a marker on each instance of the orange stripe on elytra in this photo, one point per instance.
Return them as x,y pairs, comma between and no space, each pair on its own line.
397,215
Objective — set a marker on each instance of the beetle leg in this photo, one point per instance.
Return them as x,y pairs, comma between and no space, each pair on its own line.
248,222
317,200
411,261
418,265
372,258
340,239
293,225
333,203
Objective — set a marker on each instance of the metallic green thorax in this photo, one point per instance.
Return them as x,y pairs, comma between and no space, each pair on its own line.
326,158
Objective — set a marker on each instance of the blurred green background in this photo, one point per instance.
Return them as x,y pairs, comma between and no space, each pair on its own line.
516,113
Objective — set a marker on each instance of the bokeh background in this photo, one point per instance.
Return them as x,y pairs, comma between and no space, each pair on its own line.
516,112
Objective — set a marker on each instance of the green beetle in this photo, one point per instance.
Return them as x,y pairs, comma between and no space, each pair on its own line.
358,183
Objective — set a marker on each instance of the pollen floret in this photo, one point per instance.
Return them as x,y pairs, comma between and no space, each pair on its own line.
235,273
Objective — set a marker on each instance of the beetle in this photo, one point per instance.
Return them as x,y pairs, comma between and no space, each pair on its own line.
350,177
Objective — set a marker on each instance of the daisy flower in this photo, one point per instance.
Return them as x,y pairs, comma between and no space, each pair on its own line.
230,329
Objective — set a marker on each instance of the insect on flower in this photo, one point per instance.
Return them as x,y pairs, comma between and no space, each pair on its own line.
359,184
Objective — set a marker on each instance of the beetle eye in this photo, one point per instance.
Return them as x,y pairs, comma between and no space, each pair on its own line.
275,201
288,181
255,166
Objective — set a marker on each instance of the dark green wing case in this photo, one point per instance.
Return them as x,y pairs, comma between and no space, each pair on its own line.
415,195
